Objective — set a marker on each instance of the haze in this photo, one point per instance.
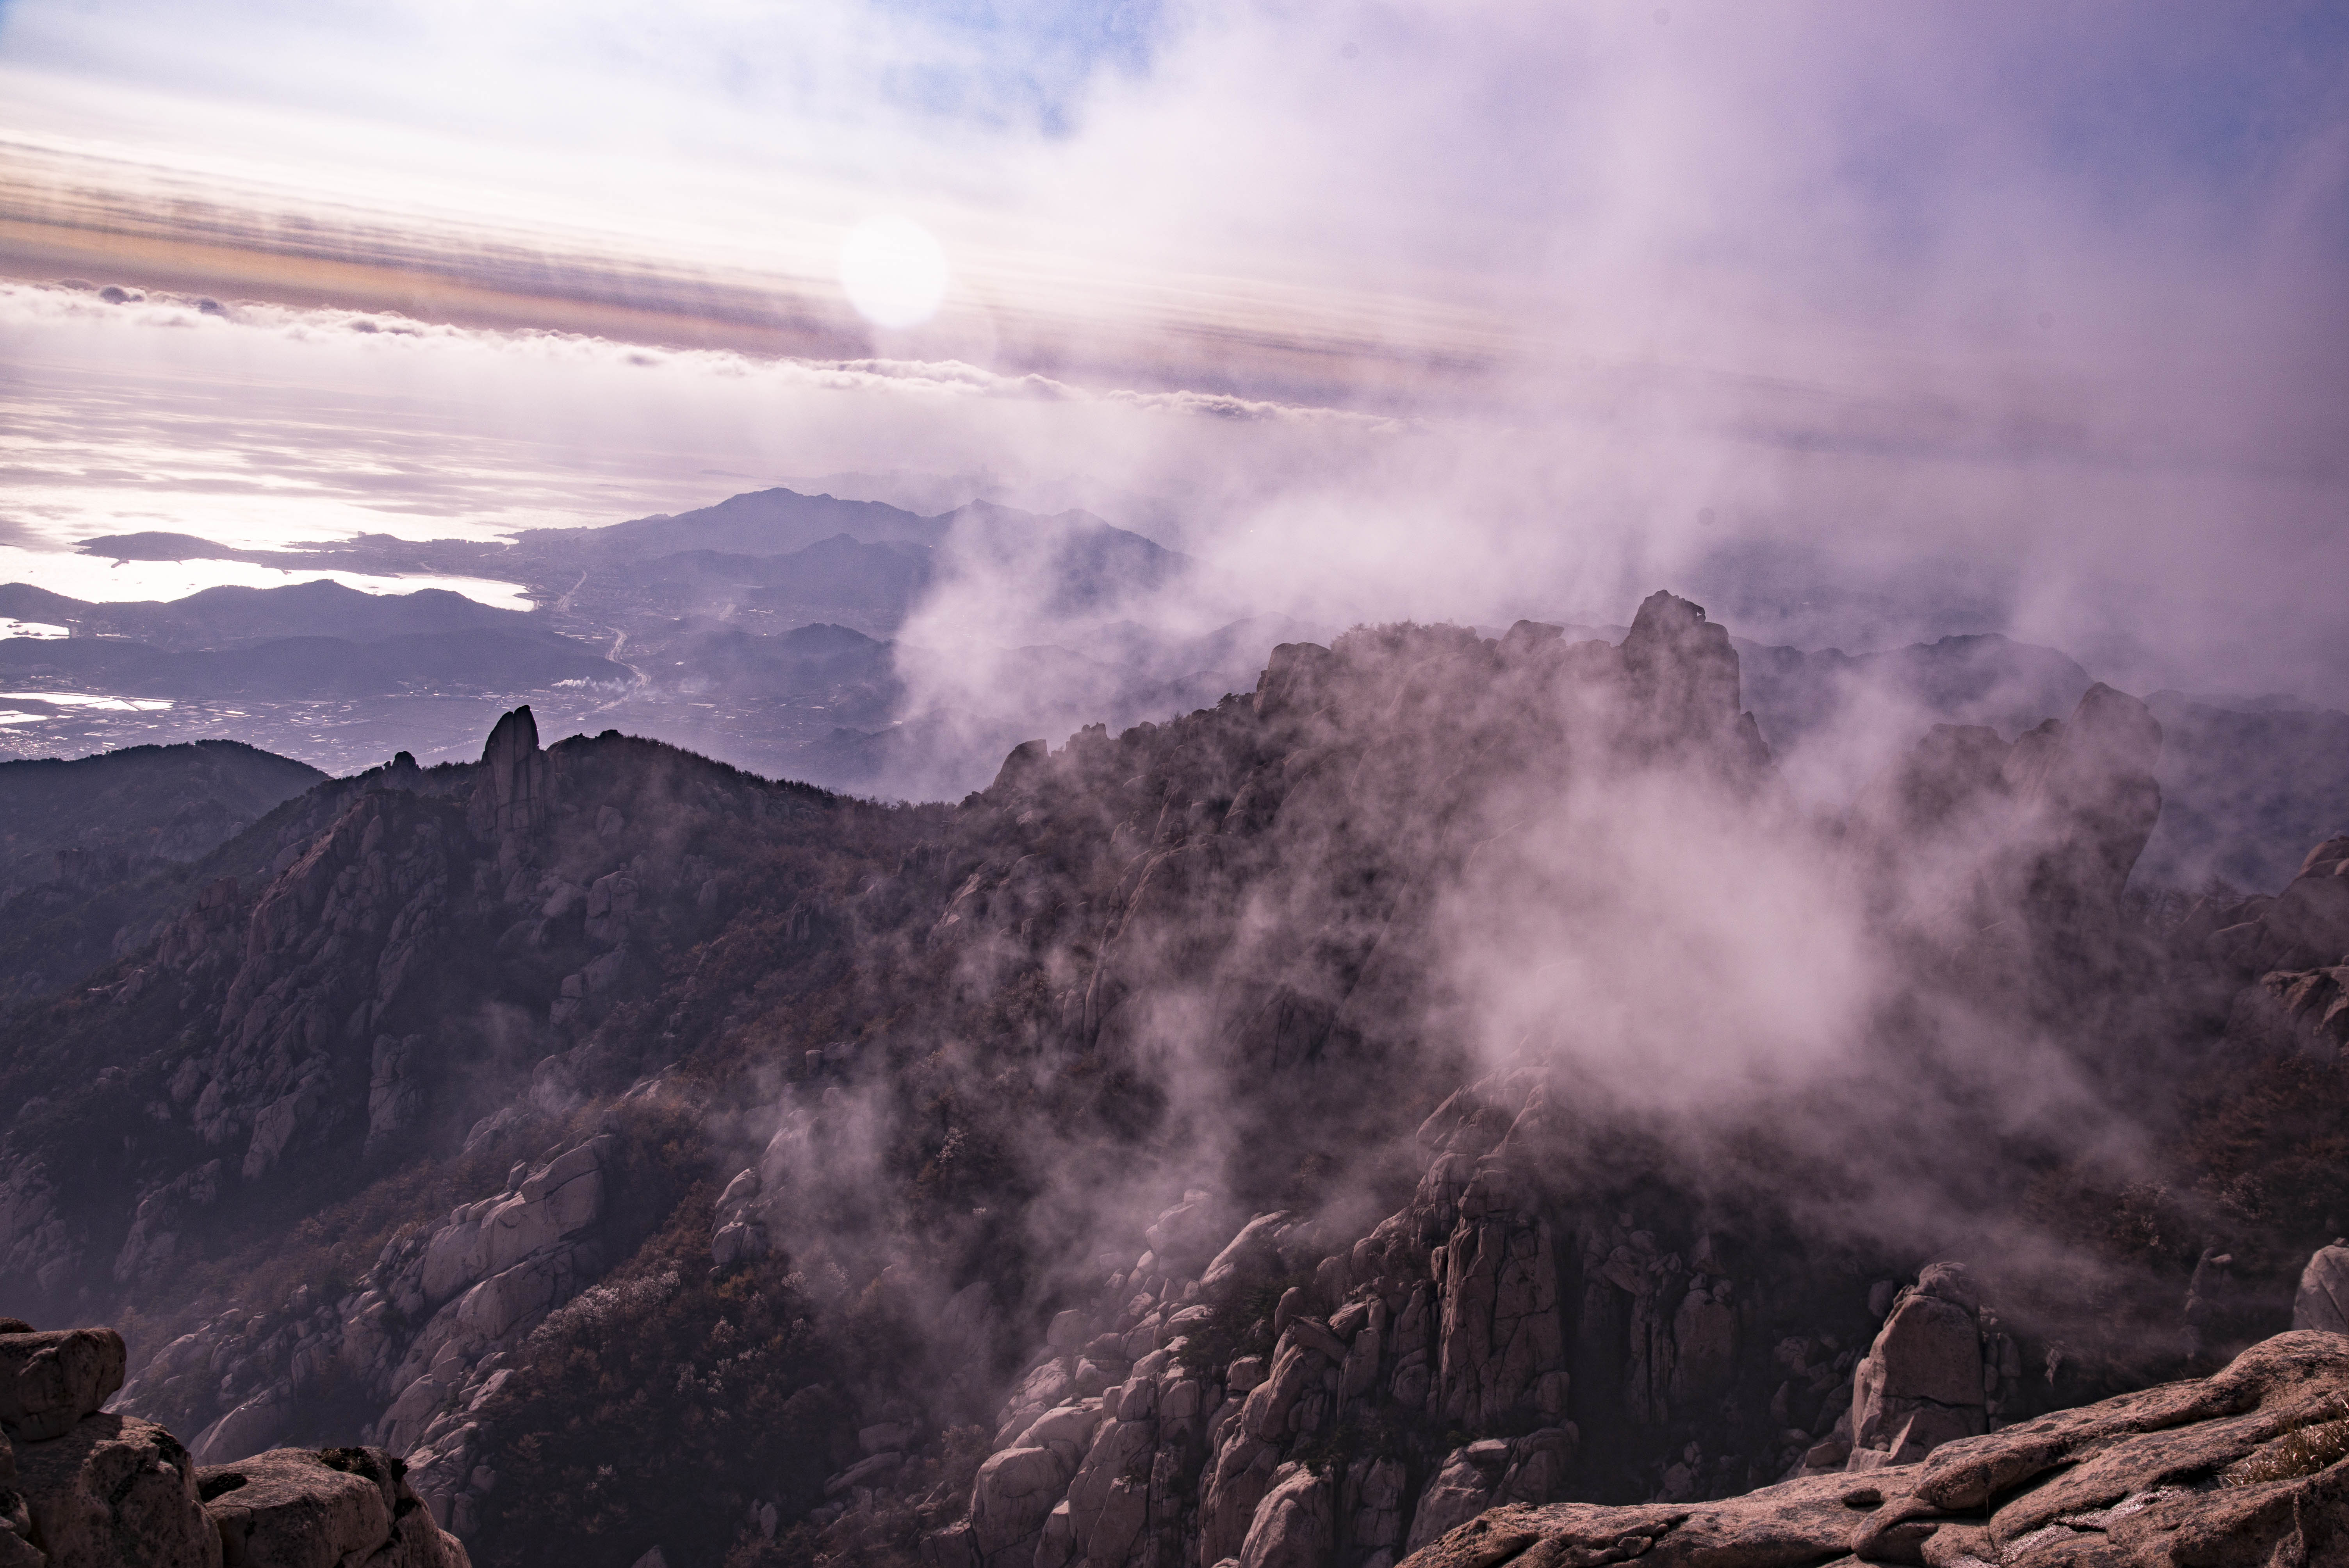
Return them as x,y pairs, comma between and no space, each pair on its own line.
2032,322
1134,786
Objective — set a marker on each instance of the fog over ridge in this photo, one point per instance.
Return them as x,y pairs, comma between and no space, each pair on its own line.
1516,728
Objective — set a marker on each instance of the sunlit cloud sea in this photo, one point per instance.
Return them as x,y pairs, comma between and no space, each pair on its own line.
1393,312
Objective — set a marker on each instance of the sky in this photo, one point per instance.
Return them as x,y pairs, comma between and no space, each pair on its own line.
2015,317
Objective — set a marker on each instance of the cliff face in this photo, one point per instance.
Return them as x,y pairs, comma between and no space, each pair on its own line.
1452,1073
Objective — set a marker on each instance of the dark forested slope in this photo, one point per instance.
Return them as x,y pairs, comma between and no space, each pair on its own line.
152,802
97,848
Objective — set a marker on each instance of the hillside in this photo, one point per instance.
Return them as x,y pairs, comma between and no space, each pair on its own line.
88,845
150,803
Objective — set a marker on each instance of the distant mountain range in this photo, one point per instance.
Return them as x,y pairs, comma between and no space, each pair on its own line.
868,550
219,618
761,522
766,629
303,642
813,549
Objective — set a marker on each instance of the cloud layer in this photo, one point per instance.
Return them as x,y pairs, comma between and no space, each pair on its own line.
2012,320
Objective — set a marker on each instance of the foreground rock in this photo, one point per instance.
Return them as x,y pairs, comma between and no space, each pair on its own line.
81,1487
51,1381
2250,1466
294,1509
114,1489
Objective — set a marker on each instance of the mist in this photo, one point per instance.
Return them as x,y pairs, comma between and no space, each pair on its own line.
1676,546
1508,317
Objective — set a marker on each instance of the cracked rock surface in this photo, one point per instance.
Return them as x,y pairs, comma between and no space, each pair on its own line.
2250,1466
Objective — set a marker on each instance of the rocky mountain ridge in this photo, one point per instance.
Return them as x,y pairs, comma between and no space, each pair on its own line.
498,1112
727,631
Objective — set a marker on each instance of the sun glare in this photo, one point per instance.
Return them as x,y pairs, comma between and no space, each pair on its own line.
894,271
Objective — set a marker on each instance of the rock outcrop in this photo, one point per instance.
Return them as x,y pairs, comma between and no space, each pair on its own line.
2279,966
2248,1466
51,1381
1487,1474
426,1338
2002,850
1934,1446
1931,1375
2086,791
2294,1012
2303,928
511,798
112,1490
497,1266
1162,1426
37,1243
81,1487
292,1508
2322,1300
1159,1426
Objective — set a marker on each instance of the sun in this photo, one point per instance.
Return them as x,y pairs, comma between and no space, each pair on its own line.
894,271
